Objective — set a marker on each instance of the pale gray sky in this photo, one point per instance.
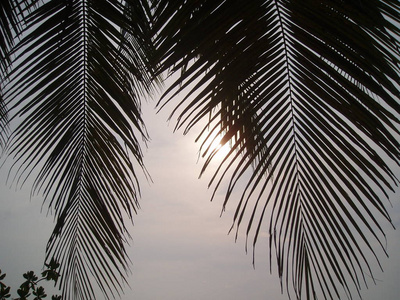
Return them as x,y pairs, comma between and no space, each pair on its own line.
180,247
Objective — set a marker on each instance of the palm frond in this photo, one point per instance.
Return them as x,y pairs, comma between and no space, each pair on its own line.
12,17
76,86
9,29
307,92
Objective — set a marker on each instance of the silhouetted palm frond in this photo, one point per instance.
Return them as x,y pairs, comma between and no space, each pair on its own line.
75,87
9,28
307,92
10,18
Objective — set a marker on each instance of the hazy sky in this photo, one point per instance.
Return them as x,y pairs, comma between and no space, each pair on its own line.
180,248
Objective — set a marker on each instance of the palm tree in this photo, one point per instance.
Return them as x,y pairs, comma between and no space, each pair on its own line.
306,93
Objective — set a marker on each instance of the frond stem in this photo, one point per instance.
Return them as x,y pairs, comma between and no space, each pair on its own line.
289,80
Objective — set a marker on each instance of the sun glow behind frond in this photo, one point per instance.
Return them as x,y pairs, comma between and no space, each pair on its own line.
219,149
214,147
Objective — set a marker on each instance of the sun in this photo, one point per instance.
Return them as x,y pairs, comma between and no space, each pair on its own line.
214,147
223,150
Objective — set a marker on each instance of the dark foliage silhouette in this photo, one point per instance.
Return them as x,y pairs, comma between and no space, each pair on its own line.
306,93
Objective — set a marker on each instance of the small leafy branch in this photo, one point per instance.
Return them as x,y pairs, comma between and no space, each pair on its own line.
30,285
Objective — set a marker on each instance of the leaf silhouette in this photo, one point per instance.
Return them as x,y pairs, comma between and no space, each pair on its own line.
76,85
306,92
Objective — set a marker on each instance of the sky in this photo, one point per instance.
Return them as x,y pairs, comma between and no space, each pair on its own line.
180,246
